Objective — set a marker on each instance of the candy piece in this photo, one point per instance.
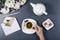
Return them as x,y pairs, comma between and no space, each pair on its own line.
8,20
26,20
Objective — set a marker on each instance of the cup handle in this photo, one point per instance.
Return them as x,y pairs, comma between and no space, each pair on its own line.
45,13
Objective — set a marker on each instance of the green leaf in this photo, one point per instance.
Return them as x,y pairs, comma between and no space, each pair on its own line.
2,1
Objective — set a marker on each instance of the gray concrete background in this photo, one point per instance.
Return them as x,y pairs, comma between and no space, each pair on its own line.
53,9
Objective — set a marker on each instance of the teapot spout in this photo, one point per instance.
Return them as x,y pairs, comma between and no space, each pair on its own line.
33,5
45,13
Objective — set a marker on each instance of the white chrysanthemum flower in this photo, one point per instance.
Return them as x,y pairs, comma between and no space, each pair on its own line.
17,5
12,4
23,2
4,10
11,1
9,4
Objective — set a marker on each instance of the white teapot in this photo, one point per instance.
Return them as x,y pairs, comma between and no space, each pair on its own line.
39,9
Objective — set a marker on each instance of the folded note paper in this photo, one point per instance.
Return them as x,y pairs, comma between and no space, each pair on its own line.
10,25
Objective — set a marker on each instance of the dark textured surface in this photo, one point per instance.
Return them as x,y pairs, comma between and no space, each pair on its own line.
53,9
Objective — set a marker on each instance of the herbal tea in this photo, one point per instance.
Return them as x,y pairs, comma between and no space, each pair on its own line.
29,25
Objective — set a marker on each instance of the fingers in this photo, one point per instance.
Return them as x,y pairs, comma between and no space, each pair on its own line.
37,28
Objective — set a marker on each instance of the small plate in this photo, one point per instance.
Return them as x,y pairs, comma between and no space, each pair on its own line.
48,24
25,29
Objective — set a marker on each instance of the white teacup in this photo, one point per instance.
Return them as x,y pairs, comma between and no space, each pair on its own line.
28,30
39,9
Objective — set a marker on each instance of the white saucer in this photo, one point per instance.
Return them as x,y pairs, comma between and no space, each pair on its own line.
26,30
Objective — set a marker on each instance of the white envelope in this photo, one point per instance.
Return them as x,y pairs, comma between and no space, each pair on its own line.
13,28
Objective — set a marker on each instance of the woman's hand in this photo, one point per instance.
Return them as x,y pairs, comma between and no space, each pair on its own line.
39,32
